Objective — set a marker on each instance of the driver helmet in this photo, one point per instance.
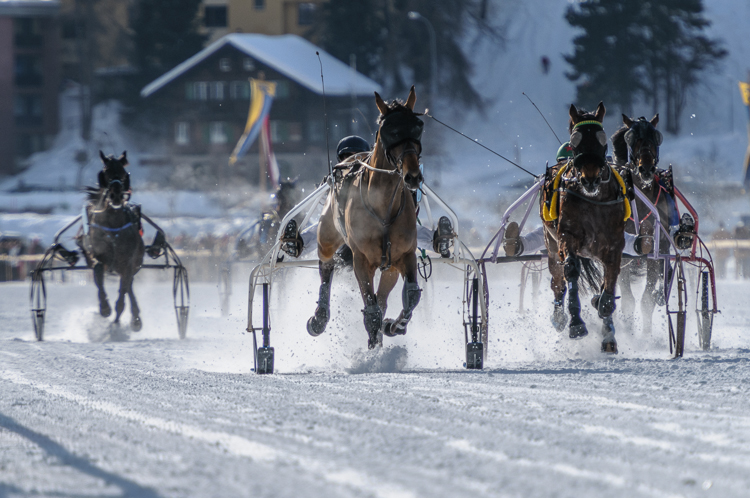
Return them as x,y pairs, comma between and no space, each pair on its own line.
351,145
564,152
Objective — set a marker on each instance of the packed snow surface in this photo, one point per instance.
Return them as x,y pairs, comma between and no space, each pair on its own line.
156,416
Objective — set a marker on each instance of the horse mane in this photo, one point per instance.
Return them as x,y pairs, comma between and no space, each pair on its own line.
619,147
93,194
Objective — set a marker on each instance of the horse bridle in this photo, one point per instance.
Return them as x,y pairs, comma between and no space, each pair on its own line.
644,131
576,137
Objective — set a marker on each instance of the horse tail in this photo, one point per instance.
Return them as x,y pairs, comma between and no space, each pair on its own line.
592,274
619,147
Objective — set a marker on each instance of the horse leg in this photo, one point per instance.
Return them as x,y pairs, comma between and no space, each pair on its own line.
104,308
628,299
316,325
328,241
606,302
126,280
410,297
135,321
373,316
388,280
648,301
572,271
557,284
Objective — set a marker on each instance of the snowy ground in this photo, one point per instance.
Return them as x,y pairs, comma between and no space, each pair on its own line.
156,416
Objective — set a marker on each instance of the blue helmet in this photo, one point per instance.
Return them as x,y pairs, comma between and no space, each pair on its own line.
351,145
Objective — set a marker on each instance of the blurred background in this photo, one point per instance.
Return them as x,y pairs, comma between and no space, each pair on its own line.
168,81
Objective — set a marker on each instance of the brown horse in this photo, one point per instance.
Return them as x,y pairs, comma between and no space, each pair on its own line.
371,209
636,149
589,224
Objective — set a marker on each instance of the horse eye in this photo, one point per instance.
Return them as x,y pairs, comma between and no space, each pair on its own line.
575,138
602,137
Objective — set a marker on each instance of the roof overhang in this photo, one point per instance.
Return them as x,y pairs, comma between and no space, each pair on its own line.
290,55
33,8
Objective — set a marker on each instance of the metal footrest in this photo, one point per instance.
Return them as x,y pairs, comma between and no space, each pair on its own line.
474,355
264,356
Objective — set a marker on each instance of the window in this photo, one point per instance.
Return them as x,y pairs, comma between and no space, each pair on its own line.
28,70
315,131
260,4
27,32
248,64
217,132
305,13
182,133
215,16
279,131
282,89
225,64
239,90
200,90
217,90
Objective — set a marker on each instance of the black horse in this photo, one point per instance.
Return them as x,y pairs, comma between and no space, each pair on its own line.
636,150
112,236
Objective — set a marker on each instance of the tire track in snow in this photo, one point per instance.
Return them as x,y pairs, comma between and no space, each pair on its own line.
234,444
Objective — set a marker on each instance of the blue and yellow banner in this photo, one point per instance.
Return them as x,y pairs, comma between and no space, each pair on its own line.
262,94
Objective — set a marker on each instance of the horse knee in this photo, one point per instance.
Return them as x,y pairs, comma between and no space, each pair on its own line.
572,268
410,297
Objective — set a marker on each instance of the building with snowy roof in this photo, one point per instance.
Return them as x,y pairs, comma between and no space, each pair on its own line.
205,101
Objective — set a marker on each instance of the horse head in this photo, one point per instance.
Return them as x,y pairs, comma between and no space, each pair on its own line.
589,143
400,136
643,141
286,196
113,179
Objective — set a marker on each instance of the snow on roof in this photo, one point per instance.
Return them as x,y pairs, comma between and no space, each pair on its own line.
290,55
29,7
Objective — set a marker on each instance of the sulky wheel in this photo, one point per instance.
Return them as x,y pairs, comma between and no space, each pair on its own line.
705,315
181,295
38,304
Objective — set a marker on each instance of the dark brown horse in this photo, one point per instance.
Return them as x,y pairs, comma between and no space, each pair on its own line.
111,239
636,149
371,209
583,211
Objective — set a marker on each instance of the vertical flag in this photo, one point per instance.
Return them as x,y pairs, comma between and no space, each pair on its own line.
745,91
272,165
261,98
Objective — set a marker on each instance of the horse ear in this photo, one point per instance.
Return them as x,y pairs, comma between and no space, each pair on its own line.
124,158
412,99
627,121
600,112
101,154
382,106
573,112
655,120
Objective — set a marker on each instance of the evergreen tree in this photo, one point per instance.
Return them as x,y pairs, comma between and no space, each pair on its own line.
650,49
395,51
165,34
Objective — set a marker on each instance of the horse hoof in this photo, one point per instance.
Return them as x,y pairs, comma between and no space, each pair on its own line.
578,331
390,328
105,309
559,319
135,324
316,325
375,340
609,347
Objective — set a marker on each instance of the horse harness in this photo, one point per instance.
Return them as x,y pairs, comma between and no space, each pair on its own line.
397,128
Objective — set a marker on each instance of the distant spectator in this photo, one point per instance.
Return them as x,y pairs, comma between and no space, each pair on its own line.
545,64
